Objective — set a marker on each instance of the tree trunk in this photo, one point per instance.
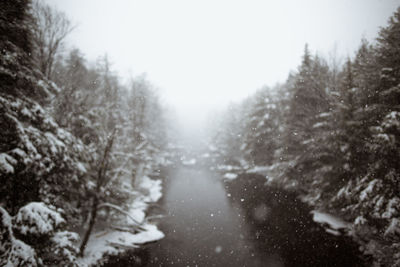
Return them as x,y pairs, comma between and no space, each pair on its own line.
102,169
93,215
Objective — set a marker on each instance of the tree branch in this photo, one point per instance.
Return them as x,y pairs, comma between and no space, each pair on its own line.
115,207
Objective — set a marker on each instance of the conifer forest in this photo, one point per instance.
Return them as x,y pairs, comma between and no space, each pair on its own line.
94,169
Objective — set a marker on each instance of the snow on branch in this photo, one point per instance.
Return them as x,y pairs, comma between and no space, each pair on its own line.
109,205
36,218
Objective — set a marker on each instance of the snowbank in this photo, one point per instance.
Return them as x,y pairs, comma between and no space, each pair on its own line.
190,162
334,223
154,189
262,170
230,176
113,242
151,193
228,168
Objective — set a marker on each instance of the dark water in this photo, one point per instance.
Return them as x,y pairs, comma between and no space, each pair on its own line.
202,228
243,223
280,224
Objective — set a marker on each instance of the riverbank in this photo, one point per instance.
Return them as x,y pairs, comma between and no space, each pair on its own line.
137,230
281,224
211,223
373,243
332,220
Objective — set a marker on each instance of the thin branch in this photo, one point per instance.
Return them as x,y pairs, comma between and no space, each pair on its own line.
104,161
118,173
121,246
109,205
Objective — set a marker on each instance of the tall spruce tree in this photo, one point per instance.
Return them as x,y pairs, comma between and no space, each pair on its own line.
308,100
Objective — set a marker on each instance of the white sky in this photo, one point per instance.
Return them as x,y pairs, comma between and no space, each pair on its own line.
206,53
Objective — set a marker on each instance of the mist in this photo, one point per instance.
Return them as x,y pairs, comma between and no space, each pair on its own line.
200,133
203,55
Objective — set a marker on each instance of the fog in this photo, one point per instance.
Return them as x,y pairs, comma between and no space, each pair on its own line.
204,54
211,133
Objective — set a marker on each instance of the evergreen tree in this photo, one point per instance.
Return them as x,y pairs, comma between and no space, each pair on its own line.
262,129
39,162
309,100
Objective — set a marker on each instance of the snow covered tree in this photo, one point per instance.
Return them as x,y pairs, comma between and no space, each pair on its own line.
308,101
121,130
335,140
43,228
35,237
341,147
13,252
370,197
262,129
144,122
56,173
228,131
39,162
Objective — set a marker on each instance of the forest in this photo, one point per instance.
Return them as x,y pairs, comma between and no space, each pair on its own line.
83,153
331,132
77,145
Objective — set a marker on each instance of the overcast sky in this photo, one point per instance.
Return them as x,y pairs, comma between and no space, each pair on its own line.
205,53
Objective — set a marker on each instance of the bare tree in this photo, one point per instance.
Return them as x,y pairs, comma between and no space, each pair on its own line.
335,63
104,178
49,30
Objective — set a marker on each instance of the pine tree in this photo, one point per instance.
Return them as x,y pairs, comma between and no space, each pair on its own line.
262,129
309,100
39,163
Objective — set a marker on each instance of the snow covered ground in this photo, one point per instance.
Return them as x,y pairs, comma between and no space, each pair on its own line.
189,162
230,176
112,242
334,223
262,170
228,168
